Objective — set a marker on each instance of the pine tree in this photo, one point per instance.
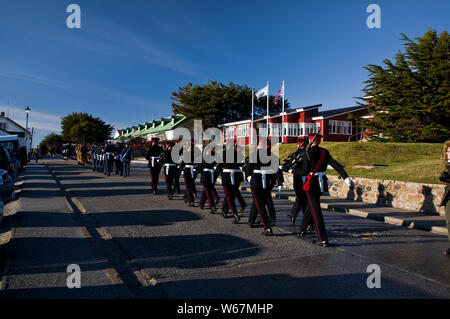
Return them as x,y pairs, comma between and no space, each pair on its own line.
410,99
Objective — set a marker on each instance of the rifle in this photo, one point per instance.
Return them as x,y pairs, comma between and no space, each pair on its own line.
299,158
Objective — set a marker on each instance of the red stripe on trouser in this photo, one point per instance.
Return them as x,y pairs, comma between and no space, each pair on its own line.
315,218
209,201
257,207
228,200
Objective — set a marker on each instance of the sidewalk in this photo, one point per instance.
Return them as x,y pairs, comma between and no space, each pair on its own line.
45,240
395,216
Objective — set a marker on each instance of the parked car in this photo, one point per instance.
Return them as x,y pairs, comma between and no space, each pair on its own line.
6,190
6,163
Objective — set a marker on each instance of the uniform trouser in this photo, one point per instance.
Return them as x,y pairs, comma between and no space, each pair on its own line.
154,176
270,206
125,168
240,198
259,207
300,199
176,179
93,163
189,183
108,166
314,211
118,165
207,194
230,197
169,178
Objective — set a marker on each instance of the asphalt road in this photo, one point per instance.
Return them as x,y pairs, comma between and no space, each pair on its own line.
131,244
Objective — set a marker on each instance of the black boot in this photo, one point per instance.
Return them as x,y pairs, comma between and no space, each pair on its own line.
267,232
324,244
236,219
213,210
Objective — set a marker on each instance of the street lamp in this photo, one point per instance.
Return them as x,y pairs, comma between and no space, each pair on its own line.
27,111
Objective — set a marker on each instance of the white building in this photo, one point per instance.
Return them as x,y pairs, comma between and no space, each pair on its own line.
9,127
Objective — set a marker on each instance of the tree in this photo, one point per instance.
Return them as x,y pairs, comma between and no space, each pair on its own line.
83,128
410,99
216,103
49,142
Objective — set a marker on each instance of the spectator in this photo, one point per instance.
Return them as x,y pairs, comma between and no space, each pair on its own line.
445,177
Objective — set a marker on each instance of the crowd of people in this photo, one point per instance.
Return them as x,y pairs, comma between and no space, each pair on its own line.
308,165
108,158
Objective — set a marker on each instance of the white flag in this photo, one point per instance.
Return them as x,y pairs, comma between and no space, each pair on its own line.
263,92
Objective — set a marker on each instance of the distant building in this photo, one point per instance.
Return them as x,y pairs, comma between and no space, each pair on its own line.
335,125
10,127
162,128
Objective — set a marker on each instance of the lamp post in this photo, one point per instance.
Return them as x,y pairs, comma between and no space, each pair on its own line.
27,111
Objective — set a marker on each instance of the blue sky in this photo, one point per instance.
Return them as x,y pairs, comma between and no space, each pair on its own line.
128,56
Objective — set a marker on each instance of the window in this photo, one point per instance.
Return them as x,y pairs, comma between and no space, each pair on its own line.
243,130
340,127
3,126
229,132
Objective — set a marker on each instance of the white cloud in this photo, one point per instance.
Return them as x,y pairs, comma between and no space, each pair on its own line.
39,120
28,77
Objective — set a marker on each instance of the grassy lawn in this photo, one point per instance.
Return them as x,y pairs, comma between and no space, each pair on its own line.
418,162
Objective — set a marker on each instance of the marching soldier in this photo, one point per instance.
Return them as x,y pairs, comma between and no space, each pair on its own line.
109,158
261,177
187,166
315,163
294,165
170,168
125,157
208,178
117,159
176,177
153,155
232,177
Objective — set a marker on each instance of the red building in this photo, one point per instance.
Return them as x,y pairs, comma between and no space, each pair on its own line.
335,125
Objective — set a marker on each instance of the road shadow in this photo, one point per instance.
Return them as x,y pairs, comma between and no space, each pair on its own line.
149,218
284,286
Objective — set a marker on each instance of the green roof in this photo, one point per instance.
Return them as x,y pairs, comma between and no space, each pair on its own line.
159,128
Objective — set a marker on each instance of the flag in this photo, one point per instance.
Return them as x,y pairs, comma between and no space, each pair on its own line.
280,93
263,92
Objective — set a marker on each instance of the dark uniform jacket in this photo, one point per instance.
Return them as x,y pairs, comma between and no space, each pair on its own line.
310,161
153,151
230,163
257,178
126,156
312,157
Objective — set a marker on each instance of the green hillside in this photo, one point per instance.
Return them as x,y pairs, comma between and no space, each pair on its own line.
414,162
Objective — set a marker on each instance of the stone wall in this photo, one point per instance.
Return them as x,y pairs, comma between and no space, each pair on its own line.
412,196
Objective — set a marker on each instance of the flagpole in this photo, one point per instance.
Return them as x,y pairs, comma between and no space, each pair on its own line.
267,121
251,129
282,118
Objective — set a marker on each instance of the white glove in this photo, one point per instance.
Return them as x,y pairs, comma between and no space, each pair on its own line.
290,171
280,188
349,182
249,179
